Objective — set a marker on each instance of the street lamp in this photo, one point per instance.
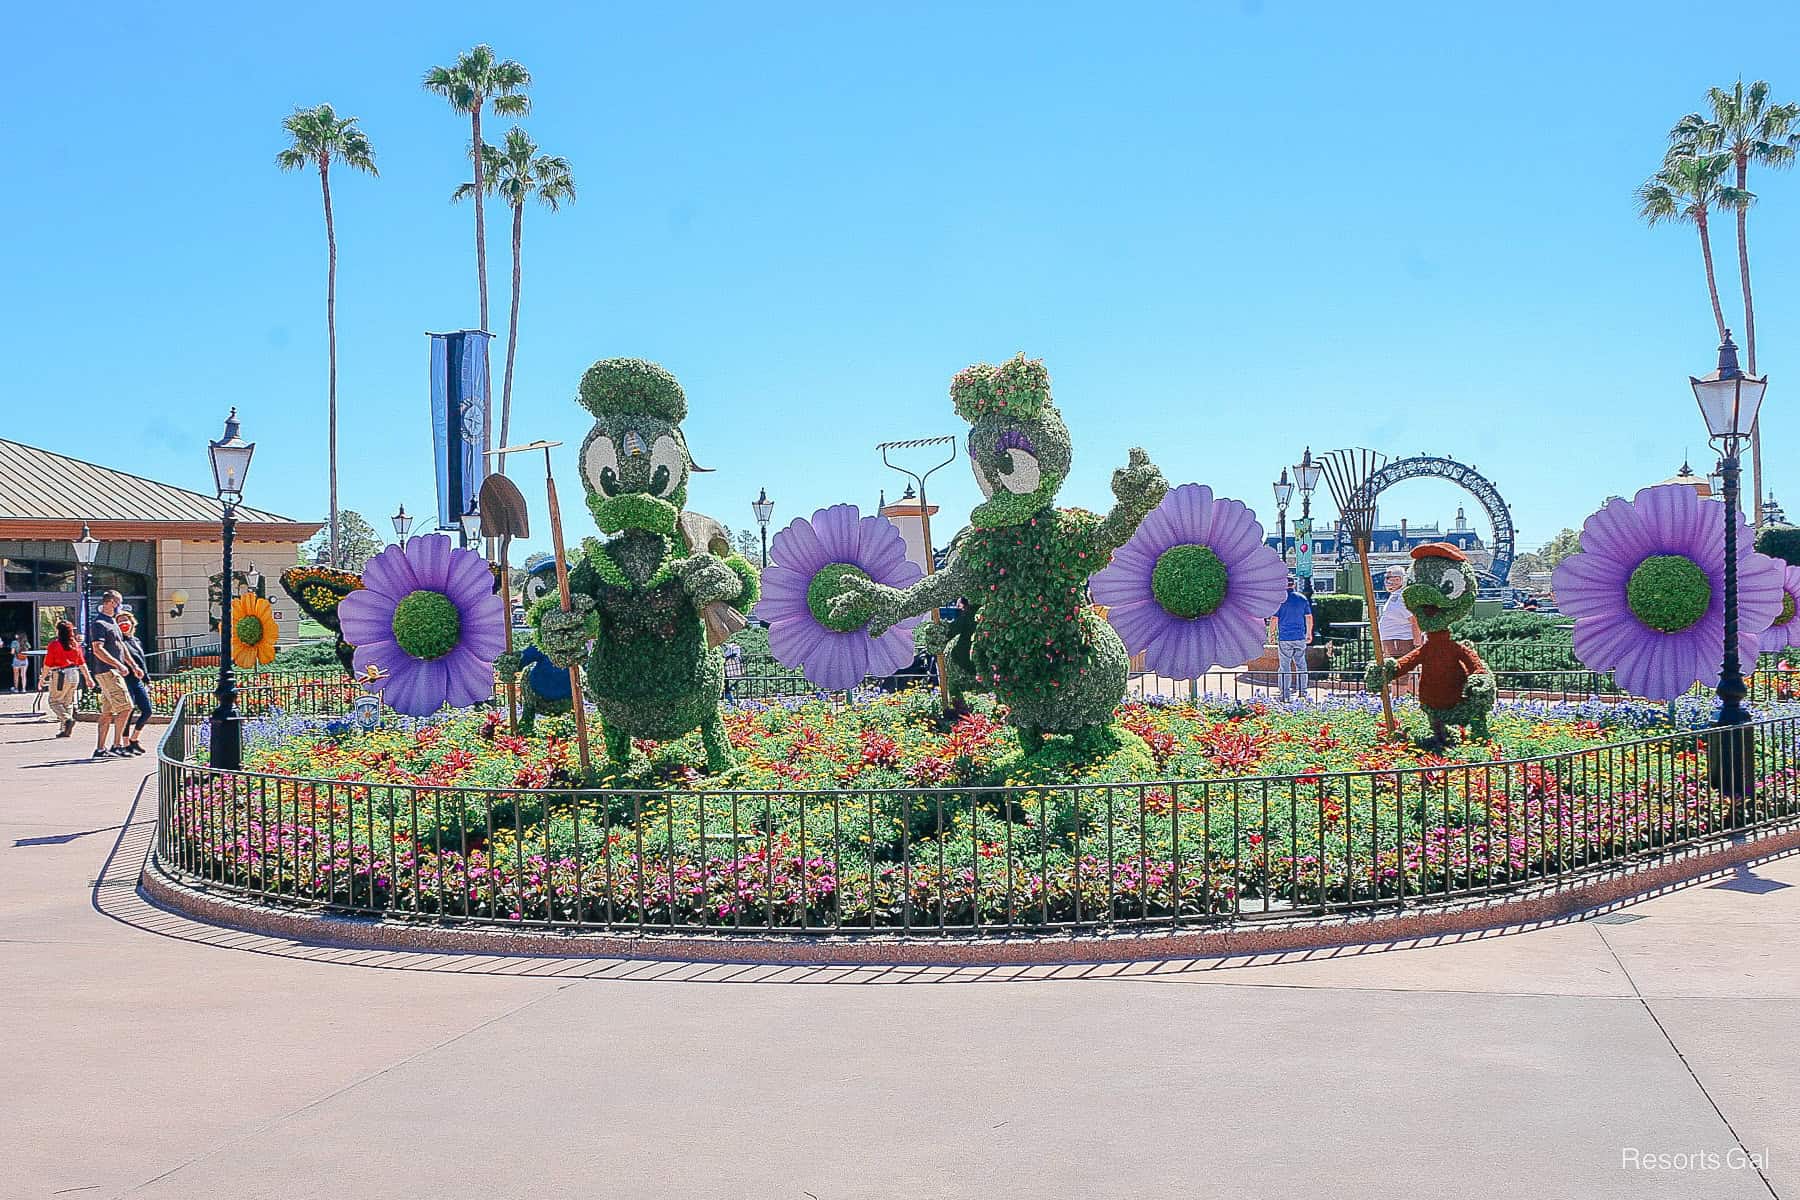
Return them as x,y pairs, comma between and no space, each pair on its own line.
1284,491
86,547
1728,401
230,463
402,526
764,508
253,579
1306,478
471,525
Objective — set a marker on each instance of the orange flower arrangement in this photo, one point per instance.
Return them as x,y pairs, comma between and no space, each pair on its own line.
253,631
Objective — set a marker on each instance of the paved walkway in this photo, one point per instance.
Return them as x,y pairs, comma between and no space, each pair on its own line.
147,1056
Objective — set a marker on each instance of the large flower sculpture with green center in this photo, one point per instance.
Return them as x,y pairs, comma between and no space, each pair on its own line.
1193,586
1785,632
1647,591
808,564
427,626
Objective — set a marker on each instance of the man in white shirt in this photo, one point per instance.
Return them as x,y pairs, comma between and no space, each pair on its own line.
1396,627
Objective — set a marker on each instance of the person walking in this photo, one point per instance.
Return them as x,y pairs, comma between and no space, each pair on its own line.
65,670
21,664
1292,626
109,664
1397,628
137,684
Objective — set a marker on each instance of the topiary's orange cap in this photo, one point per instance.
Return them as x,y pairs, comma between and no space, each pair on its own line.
1439,550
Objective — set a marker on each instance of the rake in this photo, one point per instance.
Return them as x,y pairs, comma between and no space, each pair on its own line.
1348,472
925,527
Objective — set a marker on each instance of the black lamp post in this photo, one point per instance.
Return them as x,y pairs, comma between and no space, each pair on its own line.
230,463
1284,491
86,548
402,526
1306,478
764,508
1728,400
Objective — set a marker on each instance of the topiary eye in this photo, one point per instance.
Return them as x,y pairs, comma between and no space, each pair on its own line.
665,465
600,465
1021,475
1453,585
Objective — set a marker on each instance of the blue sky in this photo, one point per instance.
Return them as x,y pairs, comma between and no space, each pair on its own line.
1230,230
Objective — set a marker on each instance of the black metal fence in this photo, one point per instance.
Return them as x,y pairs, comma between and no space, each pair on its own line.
954,859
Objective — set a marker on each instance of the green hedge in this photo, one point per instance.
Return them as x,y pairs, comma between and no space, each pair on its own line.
307,655
1332,608
1515,626
1780,541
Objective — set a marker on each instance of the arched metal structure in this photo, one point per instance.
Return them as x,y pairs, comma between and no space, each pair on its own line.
1430,466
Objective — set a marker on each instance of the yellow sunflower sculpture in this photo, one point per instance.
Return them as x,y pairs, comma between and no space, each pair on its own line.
253,631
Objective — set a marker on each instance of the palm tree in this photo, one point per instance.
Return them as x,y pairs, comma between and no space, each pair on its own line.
320,138
516,174
475,80
1687,189
1746,127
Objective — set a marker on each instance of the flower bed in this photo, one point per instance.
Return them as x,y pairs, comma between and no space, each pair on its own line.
872,816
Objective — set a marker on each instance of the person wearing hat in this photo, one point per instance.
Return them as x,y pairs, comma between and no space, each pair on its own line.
1395,626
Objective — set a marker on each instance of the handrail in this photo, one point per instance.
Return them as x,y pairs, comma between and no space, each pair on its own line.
960,858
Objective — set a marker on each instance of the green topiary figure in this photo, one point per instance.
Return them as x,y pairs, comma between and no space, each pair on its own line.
1455,686
1024,564
644,596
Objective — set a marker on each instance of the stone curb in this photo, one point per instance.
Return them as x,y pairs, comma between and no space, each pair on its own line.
1525,908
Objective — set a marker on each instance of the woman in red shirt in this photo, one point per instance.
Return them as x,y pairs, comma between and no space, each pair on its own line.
65,670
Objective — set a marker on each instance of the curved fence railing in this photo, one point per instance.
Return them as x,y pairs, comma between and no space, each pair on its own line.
954,859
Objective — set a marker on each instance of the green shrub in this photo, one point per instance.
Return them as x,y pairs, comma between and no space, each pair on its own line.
306,656
1780,541
1331,609
1515,626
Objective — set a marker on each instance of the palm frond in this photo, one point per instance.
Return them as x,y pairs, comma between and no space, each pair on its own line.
318,134
1735,198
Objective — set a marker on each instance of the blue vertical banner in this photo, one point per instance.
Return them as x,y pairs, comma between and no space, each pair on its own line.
1303,548
459,407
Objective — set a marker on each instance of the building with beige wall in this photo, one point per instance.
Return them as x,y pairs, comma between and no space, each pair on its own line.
159,546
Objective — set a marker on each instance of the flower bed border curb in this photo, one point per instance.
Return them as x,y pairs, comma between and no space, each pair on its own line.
1529,906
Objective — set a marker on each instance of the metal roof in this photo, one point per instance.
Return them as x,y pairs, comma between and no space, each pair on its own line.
37,484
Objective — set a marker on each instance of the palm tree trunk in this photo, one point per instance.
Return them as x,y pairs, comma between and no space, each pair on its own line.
1712,282
512,333
480,220
331,343
1743,217
487,408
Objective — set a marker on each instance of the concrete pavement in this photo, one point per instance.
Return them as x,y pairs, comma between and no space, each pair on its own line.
1642,1055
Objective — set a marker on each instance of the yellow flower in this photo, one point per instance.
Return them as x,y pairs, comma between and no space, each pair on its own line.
253,631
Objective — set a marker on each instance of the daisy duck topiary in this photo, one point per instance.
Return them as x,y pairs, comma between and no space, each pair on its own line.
1024,564
653,606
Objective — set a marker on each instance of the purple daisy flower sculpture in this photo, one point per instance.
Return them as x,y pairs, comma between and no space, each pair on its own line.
1647,591
808,562
1785,631
1193,587
427,626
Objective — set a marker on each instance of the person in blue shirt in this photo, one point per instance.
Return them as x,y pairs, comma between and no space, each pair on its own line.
1292,626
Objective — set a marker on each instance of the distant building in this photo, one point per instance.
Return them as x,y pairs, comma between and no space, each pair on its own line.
1772,514
1686,477
1393,543
908,515
159,548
